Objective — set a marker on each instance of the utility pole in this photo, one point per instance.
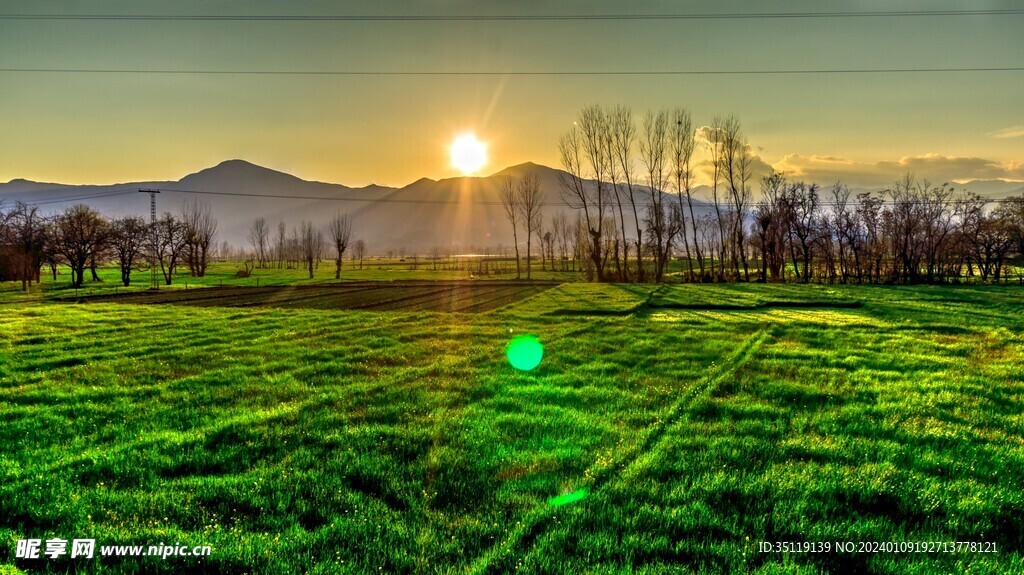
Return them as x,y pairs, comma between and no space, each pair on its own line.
154,284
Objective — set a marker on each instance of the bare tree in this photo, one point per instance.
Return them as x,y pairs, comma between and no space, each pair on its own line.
359,250
1011,210
101,254
51,258
78,234
258,234
802,206
939,227
340,230
128,238
771,226
559,223
607,136
294,250
280,244
170,242
735,159
548,241
539,231
200,228
869,215
510,201
713,139
842,229
584,152
682,142
993,244
319,244
307,246
653,149
624,138
23,232
435,254
531,199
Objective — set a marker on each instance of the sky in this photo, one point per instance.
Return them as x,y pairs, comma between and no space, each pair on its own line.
863,128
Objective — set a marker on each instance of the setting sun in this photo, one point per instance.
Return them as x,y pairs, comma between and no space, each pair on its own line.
468,154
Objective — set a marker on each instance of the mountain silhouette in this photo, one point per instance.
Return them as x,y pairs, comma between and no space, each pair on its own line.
462,213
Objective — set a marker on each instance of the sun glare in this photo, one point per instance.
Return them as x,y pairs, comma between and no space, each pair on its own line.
468,154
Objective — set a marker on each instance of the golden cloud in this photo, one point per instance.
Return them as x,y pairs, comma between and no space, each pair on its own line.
935,167
1011,132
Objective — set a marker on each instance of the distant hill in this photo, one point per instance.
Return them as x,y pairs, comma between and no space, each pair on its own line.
995,189
461,212
19,186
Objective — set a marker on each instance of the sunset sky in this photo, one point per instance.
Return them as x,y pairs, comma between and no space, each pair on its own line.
866,128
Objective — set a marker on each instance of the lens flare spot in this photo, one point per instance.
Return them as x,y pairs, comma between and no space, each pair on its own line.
567,498
524,352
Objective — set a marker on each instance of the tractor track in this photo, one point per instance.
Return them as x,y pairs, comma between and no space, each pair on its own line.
537,521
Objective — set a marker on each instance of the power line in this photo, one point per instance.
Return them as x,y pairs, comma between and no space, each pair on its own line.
507,17
72,188
512,73
338,199
89,196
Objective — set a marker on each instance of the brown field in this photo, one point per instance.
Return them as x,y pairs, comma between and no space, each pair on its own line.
445,296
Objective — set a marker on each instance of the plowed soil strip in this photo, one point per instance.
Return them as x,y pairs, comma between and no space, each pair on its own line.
457,299
212,295
502,299
396,296
413,295
429,302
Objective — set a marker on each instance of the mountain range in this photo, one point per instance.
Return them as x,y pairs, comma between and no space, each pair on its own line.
461,213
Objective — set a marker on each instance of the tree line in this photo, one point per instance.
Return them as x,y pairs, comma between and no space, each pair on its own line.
306,246
83,239
633,190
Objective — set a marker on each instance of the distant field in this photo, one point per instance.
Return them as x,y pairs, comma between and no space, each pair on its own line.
225,274
669,429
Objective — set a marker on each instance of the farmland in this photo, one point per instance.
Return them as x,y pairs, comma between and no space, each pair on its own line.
450,296
368,428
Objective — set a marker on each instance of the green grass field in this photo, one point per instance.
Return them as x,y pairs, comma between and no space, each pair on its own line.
667,430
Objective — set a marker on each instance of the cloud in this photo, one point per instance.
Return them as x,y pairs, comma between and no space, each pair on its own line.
758,169
935,167
950,167
702,162
1011,132
828,169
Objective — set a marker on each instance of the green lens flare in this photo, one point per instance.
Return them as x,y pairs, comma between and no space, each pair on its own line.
567,498
524,352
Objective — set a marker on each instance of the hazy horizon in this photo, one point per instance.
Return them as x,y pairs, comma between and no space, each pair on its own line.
488,174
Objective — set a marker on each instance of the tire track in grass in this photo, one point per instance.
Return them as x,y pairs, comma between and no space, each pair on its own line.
530,529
